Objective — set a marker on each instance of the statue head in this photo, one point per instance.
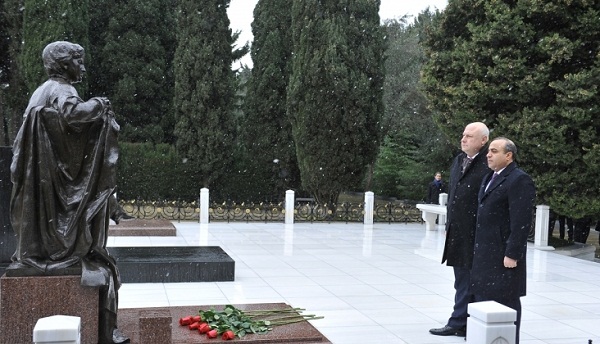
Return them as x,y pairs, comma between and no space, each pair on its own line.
64,59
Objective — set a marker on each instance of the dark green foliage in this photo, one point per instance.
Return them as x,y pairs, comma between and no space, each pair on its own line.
135,69
266,130
12,88
530,70
154,172
399,170
100,13
414,148
335,93
204,87
45,22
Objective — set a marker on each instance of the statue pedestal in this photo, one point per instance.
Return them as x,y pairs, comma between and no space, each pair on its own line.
24,300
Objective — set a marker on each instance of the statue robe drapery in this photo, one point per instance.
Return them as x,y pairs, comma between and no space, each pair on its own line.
63,172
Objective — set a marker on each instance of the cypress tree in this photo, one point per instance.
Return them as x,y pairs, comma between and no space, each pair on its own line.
100,13
272,154
13,96
45,22
204,88
335,93
135,68
529,69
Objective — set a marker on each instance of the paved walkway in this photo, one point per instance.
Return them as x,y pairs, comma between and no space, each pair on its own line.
379,284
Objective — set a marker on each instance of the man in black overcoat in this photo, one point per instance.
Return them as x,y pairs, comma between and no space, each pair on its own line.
466,174
504,218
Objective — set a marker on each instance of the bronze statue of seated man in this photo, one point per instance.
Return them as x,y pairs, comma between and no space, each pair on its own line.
63,173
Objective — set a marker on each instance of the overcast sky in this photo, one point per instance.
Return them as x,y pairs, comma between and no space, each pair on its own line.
240,15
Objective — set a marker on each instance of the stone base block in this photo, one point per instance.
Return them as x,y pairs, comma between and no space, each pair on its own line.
24,300
490,322
173,264
155,326
57,329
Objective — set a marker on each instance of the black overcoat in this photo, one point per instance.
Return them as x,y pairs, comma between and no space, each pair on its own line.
462,209
504,219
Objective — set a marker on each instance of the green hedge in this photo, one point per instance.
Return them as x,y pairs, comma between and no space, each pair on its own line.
154,172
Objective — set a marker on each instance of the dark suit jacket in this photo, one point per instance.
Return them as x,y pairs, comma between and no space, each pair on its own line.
504,218
462,209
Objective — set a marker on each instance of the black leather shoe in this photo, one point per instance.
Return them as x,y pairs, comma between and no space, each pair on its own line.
449,331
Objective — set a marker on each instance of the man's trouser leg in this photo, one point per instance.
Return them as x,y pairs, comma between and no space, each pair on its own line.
462,297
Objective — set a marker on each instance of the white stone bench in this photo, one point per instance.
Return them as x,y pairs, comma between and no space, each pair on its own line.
430,212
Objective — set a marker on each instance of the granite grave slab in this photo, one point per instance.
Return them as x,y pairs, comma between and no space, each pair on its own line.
301,332
143,227
173,264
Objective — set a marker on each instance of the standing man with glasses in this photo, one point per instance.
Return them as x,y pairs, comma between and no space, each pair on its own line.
466,174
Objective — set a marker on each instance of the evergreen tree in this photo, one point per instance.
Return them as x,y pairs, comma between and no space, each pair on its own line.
100,13
13,97
272,153
204,88
414,148
530,70
45,22
135,69
335,93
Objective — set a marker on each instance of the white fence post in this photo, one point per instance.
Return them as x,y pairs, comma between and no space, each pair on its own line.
443,200
289,206
369,207
204,205
542,219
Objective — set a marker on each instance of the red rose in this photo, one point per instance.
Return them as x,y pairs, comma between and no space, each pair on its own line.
204,327
185,321
212,334
194,326
197,318
227,335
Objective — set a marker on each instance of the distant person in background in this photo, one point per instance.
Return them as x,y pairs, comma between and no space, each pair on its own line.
562,220
436,187
561,227
582,229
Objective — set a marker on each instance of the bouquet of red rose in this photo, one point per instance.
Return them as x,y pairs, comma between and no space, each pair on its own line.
232,322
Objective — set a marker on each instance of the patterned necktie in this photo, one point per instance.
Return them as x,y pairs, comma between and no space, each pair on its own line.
491,180
465,163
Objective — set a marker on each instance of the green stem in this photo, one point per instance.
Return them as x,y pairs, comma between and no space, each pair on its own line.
292,321
272,311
